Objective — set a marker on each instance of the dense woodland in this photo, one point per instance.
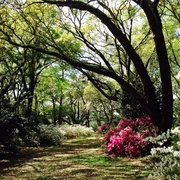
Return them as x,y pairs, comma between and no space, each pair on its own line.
88,63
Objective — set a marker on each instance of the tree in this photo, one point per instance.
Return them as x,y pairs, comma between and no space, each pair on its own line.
117,55
161,118
77,111
51,92
102,110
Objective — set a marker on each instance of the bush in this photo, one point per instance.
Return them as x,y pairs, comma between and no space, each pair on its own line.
166,156
129,138
76,130
50,135
14,130
103,128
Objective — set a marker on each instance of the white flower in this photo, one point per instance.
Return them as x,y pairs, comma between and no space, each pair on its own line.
176,130
150,176
162,150
178,144
153,151
176,153
160,143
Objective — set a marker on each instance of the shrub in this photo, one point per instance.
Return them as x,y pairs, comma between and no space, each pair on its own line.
129,138
166,157
15,131
103,128
50,135
76,130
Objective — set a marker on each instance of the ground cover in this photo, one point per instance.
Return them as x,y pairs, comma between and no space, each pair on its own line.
81,158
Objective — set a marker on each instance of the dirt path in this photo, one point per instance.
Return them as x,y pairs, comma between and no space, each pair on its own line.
79,159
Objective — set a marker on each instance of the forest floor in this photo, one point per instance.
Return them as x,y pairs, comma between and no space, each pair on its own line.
75,159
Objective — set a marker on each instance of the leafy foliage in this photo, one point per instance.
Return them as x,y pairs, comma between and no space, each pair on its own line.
16,130
121,41
130,106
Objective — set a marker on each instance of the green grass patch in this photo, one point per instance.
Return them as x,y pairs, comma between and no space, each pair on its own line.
95,160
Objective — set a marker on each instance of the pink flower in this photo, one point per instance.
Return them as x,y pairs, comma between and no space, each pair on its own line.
128,138
104,128
124,123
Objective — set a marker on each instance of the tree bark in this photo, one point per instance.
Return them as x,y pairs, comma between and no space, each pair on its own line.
155,23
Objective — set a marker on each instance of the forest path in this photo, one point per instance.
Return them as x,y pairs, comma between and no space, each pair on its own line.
75,159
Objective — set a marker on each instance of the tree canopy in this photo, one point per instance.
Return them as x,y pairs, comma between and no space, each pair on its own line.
120,46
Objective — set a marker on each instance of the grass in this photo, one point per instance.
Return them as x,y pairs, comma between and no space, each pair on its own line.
75,159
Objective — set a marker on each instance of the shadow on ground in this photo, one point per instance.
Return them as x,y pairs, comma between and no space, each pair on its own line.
80,159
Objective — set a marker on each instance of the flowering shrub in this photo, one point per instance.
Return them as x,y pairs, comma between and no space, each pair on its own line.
103,128
129,138
76,130
50,135
167,158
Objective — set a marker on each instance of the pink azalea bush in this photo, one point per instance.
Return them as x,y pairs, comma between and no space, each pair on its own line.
129,138
103,128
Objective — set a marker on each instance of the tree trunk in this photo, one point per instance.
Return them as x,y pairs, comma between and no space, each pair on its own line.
54,111
60,111
155,23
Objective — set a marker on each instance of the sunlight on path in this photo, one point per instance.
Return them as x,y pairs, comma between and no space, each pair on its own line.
81,158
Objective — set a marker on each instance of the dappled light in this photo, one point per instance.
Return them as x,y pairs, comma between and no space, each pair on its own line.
89,89
77,158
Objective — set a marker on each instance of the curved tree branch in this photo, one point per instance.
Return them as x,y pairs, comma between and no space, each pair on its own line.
141,70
